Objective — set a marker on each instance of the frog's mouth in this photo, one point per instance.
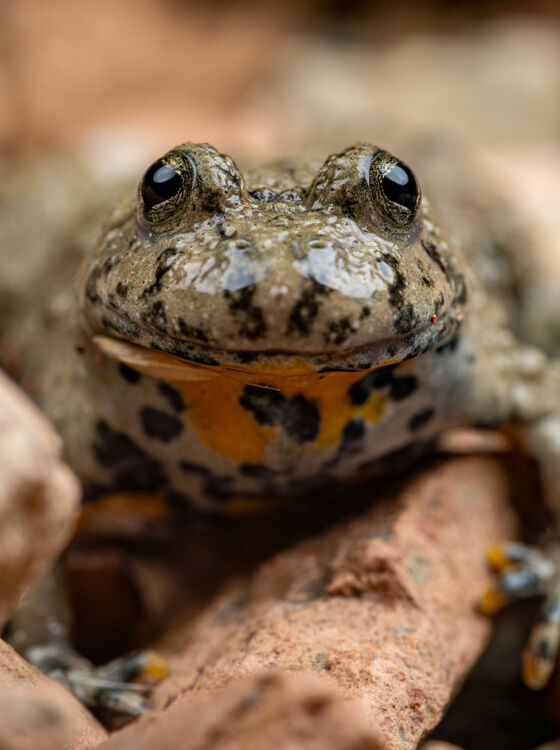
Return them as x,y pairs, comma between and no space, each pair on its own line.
169,367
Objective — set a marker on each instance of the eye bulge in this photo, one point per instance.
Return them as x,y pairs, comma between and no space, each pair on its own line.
166,186
394,189
161,182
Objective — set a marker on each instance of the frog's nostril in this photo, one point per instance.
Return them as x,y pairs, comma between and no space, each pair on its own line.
318,244
241,244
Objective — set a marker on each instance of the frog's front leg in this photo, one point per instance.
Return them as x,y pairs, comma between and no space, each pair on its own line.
525,571
523,386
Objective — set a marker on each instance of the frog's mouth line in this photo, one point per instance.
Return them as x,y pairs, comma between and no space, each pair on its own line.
170,367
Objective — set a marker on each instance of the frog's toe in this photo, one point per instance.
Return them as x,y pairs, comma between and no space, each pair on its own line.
525,571
522,571
122,686
539,657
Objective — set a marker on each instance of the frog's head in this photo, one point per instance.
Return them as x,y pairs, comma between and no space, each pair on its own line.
342,269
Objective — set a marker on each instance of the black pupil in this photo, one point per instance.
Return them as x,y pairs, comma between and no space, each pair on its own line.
160,183
399,185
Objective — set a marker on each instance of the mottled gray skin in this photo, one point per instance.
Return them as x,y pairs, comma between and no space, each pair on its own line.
287,267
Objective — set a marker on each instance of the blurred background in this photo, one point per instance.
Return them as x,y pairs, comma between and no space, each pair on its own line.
117,83
257,78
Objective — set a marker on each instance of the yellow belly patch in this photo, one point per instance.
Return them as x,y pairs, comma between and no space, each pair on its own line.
211,394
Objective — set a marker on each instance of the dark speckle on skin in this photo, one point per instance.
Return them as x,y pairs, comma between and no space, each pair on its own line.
340,330
361,390
301,419
192,468
298,416
417,421
403,387
122,289
258,471
265,404
306,308
130,375
404,315
172,395
249,316
131,467
400,387
109,264
163,264
155,315
159,425
352,437
191,332
432,251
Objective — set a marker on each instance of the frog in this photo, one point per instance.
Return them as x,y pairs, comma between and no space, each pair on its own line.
241,339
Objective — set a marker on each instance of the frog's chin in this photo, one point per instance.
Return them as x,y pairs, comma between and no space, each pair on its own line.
205,363
164,366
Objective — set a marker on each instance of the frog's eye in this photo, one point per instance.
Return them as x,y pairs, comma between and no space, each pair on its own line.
161,182
166,186
394,188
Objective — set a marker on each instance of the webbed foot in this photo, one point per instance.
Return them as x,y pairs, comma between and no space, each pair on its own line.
525,571
122,686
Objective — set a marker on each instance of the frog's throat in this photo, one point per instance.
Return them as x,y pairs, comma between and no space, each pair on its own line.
169,367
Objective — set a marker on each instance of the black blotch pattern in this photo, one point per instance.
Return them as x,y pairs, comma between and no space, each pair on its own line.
306,308
163,264
132,467
185,352
362,389
130,375
301,419
258,471
246,358
420,419
109,264
249,316
352,437
172,395
159,425
216,486
155,314
404,316
191,332
265,404
340,330
122,289
400,386
403,387
434,254
298,416
192,468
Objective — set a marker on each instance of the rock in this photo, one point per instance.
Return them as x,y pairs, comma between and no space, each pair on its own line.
270,709
382,607
39,496
37,713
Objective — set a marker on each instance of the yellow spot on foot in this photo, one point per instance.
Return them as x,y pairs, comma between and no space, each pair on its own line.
154,668
497,557
492,601
536,670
